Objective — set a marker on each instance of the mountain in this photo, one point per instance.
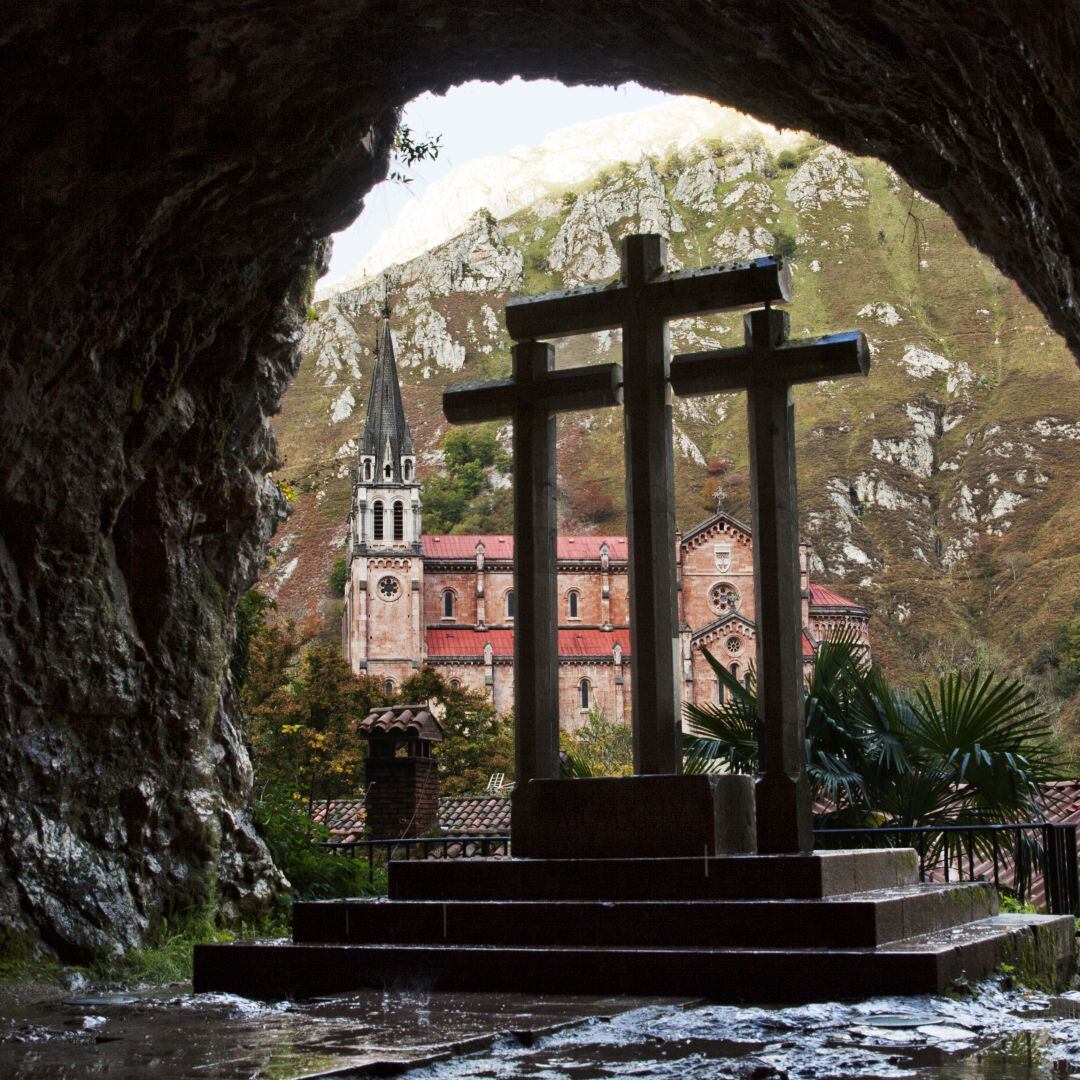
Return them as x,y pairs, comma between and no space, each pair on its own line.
940,491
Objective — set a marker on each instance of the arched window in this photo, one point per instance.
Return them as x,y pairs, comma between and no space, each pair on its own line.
734,671
367,470
583,690
455,684
719,692
388,686
387,471
572,604
448,604
407,470
746,680
399,521
377,519
510,603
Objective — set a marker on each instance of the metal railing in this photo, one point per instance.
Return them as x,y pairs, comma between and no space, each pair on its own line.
424,847
1031,860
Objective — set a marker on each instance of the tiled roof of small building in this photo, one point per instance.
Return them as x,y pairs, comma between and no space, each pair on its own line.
464,641
475,815
807,645
343,817
568,548
403,721
459,815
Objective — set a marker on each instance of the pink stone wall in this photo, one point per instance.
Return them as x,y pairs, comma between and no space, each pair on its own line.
701,572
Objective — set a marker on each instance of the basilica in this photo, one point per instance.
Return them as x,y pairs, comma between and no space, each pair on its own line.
448,601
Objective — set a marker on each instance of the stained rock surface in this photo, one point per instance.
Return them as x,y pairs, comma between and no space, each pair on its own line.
169,174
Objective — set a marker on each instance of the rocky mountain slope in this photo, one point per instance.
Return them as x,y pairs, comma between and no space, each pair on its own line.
940,491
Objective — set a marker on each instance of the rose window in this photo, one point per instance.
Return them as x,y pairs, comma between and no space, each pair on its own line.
723,598
389,588
734,644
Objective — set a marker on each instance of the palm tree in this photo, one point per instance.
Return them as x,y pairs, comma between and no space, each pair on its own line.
973,750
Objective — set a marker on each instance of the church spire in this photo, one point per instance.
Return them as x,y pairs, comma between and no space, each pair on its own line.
387,438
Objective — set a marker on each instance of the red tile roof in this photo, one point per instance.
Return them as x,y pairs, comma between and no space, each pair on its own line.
442,641
343,817
502,547
807,645
819,595
459,815
465,642
475,815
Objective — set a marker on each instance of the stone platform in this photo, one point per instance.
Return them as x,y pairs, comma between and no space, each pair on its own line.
760,928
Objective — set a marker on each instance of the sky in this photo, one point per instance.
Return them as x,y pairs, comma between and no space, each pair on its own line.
474,120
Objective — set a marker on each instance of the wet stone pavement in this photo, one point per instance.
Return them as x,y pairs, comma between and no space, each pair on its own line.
998,1034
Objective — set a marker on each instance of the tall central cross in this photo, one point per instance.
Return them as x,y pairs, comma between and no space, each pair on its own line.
640,305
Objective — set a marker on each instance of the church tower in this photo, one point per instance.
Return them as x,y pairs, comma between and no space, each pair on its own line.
383,621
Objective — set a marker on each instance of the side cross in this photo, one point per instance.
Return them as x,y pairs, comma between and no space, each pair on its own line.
531,398
767,366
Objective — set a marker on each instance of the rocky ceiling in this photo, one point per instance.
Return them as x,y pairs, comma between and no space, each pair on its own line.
169,174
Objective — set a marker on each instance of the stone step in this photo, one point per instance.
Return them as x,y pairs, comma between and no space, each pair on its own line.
853,919
921,965
720,877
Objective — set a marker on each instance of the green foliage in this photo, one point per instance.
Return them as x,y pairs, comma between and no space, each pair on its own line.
786,160
718,148
1011,906
408,149
337,577
784,244
303,704
1060,660
600,747
464,500
249,619
169,952
477,740
295,842
972,749
289,491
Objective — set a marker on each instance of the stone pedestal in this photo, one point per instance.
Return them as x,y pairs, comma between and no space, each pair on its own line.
633,817
402,797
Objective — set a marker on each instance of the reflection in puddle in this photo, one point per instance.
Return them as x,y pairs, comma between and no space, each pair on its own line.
998,1035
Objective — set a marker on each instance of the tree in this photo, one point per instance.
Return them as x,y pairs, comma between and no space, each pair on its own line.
600,747
972,749
464,499
303,704
477,740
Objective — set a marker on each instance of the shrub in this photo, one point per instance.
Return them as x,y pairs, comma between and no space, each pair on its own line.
295,843
337,578
784,245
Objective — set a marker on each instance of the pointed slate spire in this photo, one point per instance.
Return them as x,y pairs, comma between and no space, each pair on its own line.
386,431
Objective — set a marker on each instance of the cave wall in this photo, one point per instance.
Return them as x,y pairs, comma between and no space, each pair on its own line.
170,175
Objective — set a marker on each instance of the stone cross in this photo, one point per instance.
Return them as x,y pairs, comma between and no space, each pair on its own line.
767,366
640,305
531,398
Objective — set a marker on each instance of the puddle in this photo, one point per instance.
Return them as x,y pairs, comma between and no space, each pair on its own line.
999,1035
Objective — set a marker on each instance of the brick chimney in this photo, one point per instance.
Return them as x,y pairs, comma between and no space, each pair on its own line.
402,797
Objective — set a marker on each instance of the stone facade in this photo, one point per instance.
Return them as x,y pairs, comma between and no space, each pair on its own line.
447,601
